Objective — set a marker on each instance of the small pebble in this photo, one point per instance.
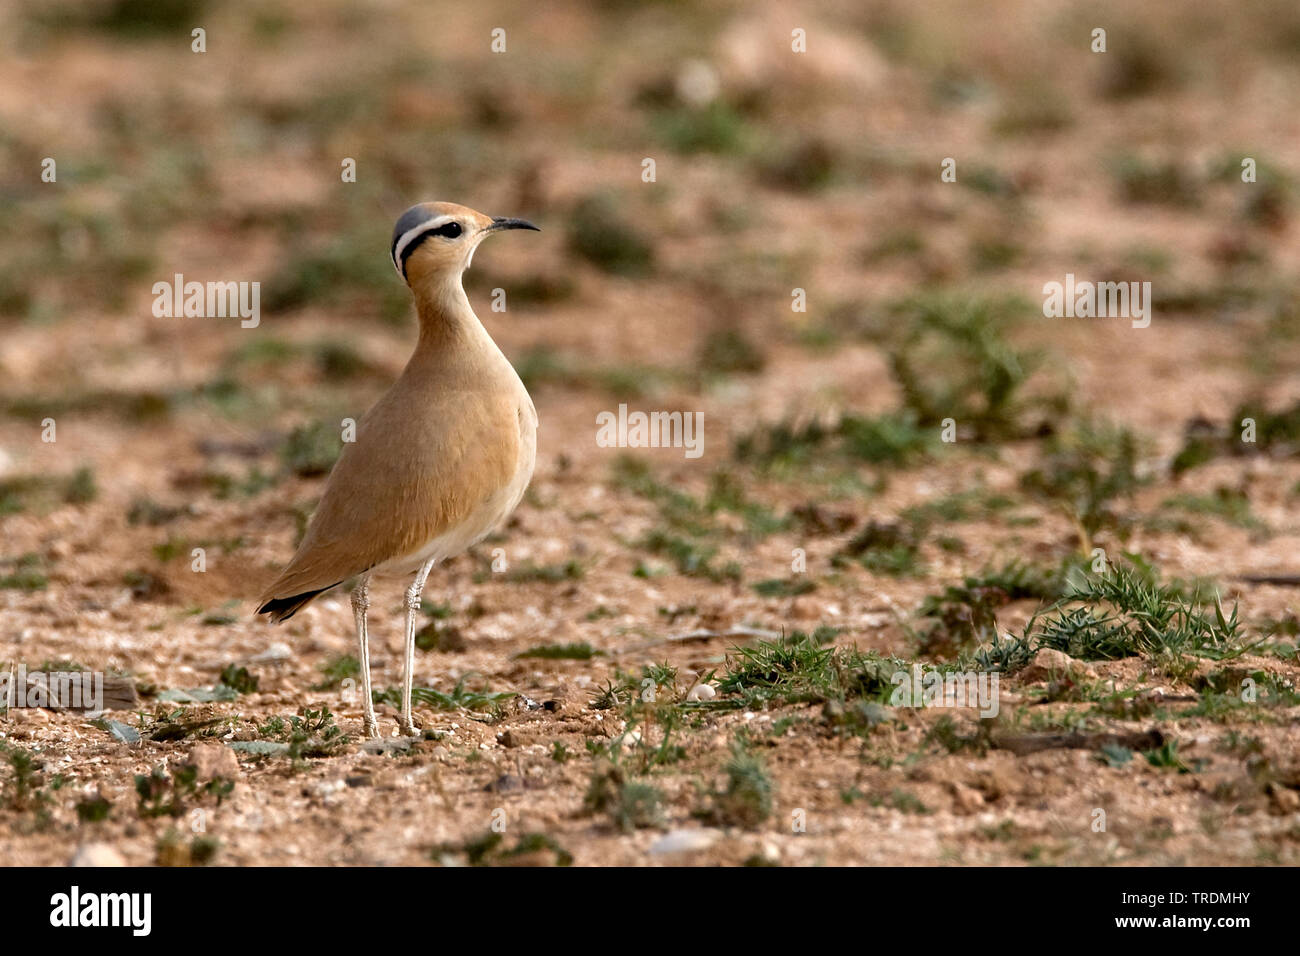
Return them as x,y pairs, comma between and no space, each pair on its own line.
684,841
96,854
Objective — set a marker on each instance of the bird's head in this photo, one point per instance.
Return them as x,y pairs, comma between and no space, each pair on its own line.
435,241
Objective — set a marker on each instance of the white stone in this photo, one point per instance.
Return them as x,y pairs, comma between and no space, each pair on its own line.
684,841
96,854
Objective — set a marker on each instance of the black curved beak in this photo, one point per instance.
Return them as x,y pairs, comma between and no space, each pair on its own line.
500,222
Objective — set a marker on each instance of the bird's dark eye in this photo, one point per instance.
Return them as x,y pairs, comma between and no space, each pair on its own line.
451,230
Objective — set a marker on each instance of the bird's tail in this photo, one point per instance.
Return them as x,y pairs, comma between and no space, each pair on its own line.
282,608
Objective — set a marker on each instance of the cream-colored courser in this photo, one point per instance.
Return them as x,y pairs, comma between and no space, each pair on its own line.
438,463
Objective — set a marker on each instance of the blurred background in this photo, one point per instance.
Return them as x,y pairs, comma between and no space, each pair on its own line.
775,171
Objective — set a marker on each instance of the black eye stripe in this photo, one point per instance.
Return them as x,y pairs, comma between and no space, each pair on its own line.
448,230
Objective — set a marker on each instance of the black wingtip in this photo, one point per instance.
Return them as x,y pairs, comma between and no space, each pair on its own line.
281,609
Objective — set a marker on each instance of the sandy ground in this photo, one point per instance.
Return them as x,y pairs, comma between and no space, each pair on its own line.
225,165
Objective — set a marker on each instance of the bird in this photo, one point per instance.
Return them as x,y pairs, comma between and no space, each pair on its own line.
439,462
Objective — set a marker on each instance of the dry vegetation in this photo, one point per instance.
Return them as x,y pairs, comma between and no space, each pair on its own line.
556,694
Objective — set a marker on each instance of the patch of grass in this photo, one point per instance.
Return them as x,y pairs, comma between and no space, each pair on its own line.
81,487
561,652
239,679
342,271
1034,112
139,407
629,804
125,17
490,850
540,288
42,492
146,511
993,253
1196,451
727,494
799,669
459,697
336,671
691,558
311,450
440,636
890,548
1136,64
24,573
338,360
313,733
714,128
899,244
544,365
1085,472
944,732
728,350
169,794
895,439
747,798
1275,433
966,614
694,517
599,234
1157,182
857,718
987,180
1240,686
1006,655
24,788
307,734
174,851
439,612
784,587
1122,613
571,570
1167,756
805,166
975,504
225,486
1115,755
171,549
16,493
93,809
795,665
1230,504
902,800
1202,299
953,361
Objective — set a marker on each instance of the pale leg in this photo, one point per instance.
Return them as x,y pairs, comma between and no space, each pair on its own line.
404,723
360,603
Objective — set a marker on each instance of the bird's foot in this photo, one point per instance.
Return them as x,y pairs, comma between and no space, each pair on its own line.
370,727
408,727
